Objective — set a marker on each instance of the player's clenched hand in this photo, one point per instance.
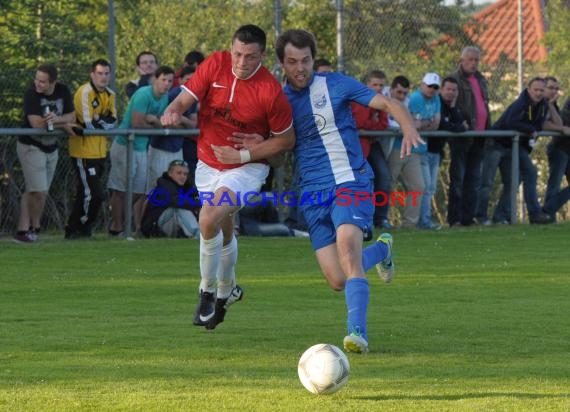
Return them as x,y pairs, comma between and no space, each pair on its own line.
226,154
245,140
170,119
411,139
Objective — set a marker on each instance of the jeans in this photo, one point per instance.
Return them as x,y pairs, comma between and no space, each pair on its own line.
529,179
464,179
382,181
558,166
495,156
430,171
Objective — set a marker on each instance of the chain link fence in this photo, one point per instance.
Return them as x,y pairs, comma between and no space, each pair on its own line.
408,37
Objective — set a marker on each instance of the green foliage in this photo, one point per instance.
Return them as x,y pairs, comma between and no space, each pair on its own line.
474,321
69,33
556,40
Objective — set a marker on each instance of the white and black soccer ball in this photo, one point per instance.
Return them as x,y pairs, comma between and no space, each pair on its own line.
323,368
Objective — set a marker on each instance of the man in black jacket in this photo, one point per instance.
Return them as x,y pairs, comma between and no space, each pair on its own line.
169,212
453,121
526,115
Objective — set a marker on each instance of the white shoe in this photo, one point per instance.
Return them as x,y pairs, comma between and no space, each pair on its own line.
386,269
355,343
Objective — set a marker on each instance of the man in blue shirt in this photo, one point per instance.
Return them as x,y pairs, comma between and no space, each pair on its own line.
329,160
425,107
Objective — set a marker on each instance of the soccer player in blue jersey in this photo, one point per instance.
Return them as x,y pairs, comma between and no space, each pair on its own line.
329,159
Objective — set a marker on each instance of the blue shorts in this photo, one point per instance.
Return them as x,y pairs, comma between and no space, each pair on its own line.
326,209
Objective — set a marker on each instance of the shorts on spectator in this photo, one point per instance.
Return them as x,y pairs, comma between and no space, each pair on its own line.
38,167
118,173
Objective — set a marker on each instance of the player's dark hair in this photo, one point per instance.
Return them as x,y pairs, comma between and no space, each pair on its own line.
536,79
251,33
400,80
50,69
138,59
550,79
375,74
187,70
163,70
194,58
100,62
449,79
298,38
320,63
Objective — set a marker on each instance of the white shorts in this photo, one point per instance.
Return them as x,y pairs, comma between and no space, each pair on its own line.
240,180
118,173
158,161
38,167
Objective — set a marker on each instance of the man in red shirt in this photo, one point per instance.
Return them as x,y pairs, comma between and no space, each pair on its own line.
238,97
367,118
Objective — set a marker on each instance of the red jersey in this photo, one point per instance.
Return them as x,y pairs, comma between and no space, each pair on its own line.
228,104
367,118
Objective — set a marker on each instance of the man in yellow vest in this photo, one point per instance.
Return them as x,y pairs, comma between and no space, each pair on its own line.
95,108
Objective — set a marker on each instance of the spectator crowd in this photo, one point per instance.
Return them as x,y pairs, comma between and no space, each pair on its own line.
456,102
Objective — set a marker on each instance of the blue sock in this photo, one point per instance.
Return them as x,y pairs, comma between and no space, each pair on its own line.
356,294
373,254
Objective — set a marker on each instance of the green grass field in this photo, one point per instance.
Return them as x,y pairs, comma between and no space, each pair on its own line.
475,320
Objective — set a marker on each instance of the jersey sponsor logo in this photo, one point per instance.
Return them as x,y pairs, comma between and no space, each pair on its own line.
218,86
319,101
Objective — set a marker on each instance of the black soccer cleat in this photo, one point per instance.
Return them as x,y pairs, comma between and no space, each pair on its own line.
205,309
222,306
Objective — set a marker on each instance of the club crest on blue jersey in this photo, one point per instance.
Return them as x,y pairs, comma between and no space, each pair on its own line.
319,101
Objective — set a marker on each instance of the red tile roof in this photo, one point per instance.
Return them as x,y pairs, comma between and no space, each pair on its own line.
497,32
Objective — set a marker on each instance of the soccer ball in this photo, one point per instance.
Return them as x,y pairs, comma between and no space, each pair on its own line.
323,368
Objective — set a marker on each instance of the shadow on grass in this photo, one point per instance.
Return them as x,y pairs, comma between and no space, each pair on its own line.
464,396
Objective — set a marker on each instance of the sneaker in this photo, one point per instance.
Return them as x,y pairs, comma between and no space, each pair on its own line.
25,237
222,306
355,343
541,218
386,269
205,309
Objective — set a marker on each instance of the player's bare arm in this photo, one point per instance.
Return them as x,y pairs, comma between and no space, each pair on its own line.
173,113
400,113
256,145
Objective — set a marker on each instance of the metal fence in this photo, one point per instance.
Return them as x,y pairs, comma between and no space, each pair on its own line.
407,37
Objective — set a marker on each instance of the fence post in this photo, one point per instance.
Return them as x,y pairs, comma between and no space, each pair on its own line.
129,193
514,177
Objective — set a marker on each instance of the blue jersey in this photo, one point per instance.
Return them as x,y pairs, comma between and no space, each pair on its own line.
327,150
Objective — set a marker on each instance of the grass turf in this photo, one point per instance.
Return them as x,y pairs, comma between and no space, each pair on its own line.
476,319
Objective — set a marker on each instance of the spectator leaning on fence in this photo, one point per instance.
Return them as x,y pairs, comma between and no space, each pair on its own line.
467,152
407,169
451,118
189,120
94,109
425,108
191,61
147,63
143,112
525,115
367,118
558,150
47,105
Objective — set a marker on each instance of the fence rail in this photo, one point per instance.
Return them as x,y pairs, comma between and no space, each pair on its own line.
130,133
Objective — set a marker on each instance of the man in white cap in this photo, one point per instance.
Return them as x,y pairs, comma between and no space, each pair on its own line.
425,107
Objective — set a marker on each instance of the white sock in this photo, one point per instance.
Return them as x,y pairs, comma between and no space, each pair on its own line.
210,256
226,271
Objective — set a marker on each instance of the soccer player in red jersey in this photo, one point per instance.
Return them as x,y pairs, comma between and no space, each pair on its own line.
238,97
